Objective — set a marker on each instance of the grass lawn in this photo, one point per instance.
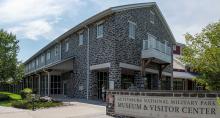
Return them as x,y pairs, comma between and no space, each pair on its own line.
12,96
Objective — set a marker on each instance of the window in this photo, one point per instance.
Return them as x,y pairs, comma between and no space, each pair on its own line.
37,62
33,64
56,50
48,55
81,39
29,66
152,41
42,58
99,30
132,27
152,15
174,47
66,46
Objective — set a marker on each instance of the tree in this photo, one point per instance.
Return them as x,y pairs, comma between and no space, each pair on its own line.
8,56
202,54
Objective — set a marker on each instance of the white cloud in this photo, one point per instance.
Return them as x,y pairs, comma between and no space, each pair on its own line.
33,29
34,18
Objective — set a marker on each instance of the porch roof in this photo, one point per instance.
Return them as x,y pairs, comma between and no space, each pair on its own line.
183,75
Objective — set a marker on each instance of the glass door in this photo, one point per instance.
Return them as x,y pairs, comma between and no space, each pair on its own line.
102,78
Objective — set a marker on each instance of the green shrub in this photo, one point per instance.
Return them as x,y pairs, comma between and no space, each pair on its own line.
23,104
25,93
4,97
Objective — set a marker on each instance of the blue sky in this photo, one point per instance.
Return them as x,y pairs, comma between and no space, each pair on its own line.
37,22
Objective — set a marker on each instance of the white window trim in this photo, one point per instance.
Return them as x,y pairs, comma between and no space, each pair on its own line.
98,24
66,46
153,15
81,40
133,23
56,50
42,59
48,55
37,62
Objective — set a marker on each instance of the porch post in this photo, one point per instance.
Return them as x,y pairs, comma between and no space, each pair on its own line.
45,84
48,83
32,82
39,84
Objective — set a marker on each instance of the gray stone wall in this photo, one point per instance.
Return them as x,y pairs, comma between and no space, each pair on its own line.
129,50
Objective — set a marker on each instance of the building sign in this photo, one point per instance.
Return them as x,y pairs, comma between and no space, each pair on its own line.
166,107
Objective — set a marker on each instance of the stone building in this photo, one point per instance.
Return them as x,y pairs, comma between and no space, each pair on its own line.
120,47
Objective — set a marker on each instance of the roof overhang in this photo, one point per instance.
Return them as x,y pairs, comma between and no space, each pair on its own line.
63,65
183,75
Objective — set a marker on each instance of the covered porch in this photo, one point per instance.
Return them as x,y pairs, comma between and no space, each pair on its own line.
51,80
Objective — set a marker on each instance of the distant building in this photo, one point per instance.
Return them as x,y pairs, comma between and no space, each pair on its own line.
183,76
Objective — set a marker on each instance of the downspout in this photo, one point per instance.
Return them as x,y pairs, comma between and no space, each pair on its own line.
88,71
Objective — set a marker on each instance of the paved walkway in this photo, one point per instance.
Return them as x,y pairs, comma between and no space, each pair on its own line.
78,109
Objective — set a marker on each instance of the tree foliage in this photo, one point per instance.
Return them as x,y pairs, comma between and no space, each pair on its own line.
202,53
10,68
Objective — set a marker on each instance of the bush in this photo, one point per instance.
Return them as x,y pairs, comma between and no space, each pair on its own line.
4,97
23,104
25,93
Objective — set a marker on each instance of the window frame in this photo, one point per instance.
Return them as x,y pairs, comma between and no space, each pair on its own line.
56,50
81,39
66,46
152,17
48,55
98,34
42,58
132,31
37,62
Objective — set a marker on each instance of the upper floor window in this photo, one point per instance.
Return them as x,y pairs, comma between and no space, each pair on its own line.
42,58
152,17
81,39
99,30
48,55
33,64
66,46
29,66
37,63
56,50
132,27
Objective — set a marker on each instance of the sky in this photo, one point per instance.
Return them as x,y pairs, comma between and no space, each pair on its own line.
37,22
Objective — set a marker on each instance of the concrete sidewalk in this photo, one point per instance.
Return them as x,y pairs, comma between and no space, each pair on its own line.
76,110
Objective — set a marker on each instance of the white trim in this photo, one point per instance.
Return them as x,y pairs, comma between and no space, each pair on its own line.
100,66
138,68
133,29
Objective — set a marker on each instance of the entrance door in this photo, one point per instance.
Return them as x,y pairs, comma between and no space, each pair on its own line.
102,78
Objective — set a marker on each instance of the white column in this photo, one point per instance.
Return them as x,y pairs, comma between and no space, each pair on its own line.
32,86
39,84
45,84
48,83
